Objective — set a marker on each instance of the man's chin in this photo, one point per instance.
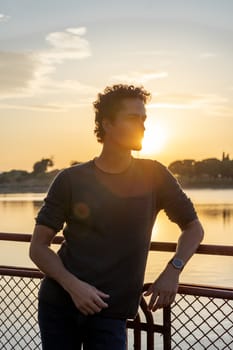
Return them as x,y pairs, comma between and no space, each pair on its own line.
137,147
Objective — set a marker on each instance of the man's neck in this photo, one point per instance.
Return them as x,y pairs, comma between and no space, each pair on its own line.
113,160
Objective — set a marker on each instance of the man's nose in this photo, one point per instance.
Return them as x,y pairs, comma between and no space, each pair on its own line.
142,124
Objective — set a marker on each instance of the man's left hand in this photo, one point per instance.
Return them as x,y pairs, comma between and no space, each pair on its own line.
164,289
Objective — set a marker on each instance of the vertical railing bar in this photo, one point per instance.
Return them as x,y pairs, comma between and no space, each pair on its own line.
167,328
137,333
150,324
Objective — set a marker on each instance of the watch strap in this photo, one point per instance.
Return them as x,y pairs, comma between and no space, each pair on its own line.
177,263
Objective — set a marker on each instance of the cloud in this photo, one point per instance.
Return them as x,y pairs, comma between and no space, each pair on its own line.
207,55
48,97
170,106
33,107
139,78
77,31
74,94
4,18
194,99
27,74
17,72
210,104
66,45
159,53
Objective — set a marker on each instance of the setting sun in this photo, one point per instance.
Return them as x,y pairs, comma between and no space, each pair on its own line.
155,138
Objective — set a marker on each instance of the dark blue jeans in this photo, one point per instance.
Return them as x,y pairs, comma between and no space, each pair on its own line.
66,328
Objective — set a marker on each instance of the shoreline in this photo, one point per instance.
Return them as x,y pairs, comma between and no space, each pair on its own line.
11,189
23,189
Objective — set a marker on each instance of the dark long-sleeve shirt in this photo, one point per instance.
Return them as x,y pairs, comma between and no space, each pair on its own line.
108,222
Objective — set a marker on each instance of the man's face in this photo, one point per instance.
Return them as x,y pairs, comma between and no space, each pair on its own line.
127,129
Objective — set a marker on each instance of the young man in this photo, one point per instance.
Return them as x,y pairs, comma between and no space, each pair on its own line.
109,205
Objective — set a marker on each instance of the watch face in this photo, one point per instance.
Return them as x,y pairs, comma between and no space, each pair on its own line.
177,263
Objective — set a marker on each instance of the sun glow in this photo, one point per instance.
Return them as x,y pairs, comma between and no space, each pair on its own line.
155,138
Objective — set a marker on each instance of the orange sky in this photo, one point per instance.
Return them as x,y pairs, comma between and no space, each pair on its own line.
51,72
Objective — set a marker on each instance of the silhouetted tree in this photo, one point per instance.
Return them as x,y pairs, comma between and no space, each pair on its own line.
210,167
183,167
41,166
227,168
74,162
13,176
225,156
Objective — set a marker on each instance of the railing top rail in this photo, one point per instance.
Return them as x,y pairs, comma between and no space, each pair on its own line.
187,289
211,249
206,291
225,250
20,272
24,237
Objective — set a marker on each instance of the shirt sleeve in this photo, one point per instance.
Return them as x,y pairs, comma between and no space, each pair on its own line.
171,198
55,209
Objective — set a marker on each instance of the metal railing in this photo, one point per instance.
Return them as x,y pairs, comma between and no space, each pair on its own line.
200,318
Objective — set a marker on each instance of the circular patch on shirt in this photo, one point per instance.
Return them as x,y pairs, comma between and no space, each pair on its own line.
81,210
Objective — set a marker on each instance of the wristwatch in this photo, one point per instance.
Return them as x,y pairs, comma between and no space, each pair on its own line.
177,263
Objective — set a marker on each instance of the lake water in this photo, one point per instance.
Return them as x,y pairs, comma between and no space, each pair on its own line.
214,208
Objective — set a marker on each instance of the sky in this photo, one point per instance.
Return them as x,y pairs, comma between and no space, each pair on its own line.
55,56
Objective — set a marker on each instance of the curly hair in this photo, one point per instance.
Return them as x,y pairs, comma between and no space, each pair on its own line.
109,102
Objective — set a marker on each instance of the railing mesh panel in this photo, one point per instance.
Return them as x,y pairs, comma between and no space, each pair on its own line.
196,322
19,328
200,323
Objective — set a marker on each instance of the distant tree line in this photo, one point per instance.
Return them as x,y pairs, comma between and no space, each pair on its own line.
211,167
188,171
39,174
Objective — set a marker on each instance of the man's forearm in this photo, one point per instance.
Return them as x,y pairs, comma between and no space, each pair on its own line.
189,240
164,288
50,263
86,297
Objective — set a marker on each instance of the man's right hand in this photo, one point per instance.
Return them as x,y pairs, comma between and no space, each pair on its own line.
88,299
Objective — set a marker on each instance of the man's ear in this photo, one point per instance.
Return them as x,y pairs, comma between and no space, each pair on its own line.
106,124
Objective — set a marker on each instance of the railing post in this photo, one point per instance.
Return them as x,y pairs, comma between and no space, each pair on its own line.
167,328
